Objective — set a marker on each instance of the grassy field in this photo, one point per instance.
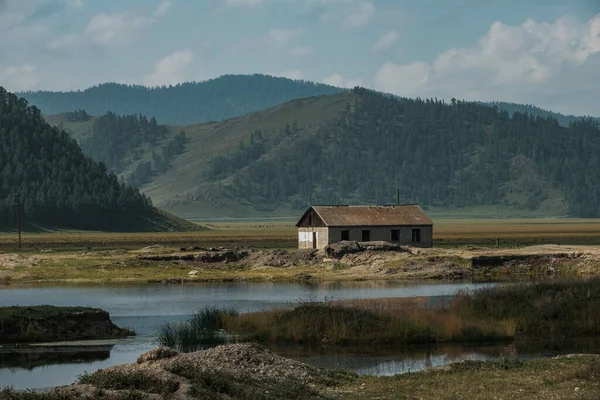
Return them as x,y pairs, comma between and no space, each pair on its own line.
118,257
277,233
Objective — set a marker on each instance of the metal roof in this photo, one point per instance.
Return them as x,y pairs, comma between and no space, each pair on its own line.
372,215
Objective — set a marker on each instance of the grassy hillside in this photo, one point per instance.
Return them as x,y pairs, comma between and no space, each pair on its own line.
359,147
355,147
184,190
188,103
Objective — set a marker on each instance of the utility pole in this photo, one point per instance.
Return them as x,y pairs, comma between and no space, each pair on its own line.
19,218
398,196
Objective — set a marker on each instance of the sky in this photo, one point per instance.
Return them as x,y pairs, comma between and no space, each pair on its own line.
542,52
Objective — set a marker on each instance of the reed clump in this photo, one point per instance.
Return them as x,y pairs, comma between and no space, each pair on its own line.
492,314
203,329
542,309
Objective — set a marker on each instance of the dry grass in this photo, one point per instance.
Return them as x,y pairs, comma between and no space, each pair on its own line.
509,231
282,234
359,322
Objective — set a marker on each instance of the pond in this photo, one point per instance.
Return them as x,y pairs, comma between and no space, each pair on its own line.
144,307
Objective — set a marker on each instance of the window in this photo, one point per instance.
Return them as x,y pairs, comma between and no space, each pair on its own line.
346,235
310,220
416,235
366,236
395,235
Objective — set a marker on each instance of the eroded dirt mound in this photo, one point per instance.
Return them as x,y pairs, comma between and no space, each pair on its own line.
340,249
244,257
237,371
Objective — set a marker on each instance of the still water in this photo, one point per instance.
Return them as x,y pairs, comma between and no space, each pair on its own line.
145,307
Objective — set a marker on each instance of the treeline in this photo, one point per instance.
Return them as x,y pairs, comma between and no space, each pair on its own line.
534,111
188,103
56,184
438,154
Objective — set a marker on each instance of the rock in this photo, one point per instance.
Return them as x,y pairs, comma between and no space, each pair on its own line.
194,272
158,353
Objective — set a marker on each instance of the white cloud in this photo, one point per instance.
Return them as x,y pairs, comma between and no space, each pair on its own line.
386,41
358,15
508,63
75,3
243,3
349,14
114,29
19,78
68,42
290,74
403,80
301,51
168,70
108,30
162,9
280,37
339,81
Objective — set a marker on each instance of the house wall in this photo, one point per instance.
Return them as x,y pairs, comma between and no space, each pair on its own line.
305,237
385,234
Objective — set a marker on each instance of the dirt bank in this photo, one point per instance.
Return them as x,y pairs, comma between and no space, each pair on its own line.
53,324
346,261
239,371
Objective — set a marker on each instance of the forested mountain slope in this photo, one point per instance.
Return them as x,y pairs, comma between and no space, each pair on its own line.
534,111
188,103
363,146
57,186
134,147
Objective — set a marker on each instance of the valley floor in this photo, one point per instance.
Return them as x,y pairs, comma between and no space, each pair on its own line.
266,251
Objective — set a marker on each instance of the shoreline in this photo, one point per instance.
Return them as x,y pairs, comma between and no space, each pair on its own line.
239,369
168,265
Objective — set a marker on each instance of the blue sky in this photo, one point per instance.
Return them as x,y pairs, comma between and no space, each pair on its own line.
543,52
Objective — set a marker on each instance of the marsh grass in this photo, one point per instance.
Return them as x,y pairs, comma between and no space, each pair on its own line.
203,329
541,309
492,314
386,321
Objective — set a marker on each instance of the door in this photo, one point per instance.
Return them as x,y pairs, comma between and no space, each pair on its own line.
314,241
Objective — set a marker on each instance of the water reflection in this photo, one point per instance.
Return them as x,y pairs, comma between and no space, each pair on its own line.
30,357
